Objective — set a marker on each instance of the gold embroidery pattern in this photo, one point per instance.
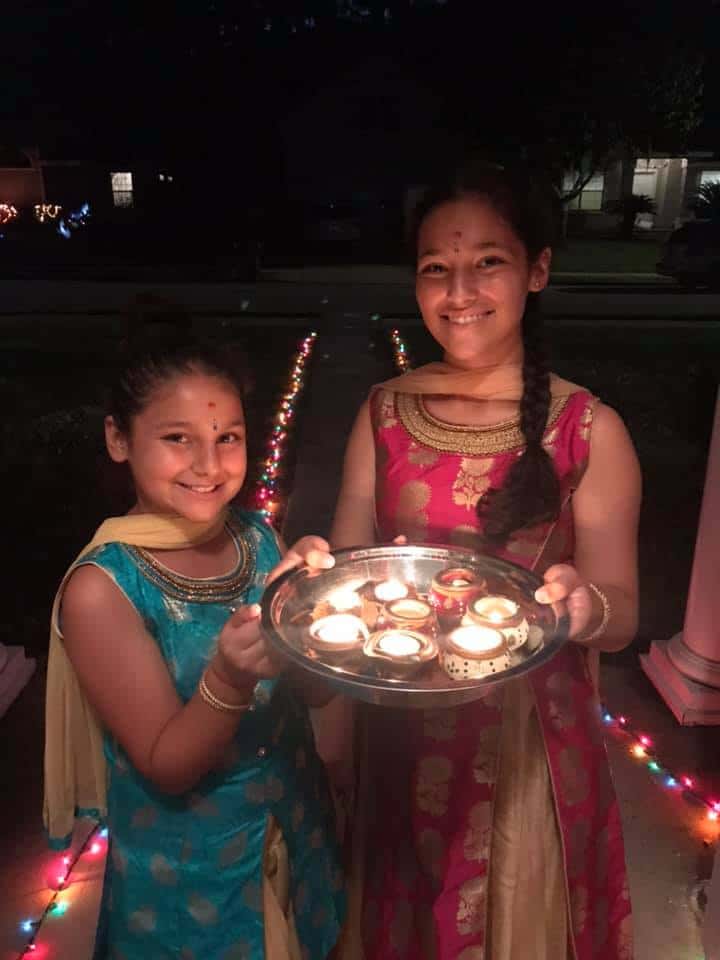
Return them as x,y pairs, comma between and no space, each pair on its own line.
422,456
561,708
471,482
484,765
386,409
476,845
471,906
453,438
586,421
439,724
411,517
550,441
432,786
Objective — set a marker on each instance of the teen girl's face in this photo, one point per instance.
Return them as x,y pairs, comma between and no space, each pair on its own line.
186,449
473,278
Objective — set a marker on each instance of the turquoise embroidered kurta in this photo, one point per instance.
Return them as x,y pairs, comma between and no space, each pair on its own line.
184,877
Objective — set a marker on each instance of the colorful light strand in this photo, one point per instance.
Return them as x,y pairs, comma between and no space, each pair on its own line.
268,497
8,213
400,353
642,748
62,879
47,211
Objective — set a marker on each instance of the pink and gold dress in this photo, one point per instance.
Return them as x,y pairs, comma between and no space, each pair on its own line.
492,830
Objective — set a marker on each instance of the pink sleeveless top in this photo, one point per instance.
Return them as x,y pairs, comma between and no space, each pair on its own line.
429,478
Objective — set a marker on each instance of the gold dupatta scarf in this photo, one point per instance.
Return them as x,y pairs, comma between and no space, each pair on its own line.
75,769
499,382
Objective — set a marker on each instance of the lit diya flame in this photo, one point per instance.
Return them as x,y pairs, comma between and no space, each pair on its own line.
398,643
409,612
338,632
403,651
390,590
343,599
456,579
495,609
504,614
476,641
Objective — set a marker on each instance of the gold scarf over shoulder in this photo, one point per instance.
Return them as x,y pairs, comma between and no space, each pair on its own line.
499,382
75,768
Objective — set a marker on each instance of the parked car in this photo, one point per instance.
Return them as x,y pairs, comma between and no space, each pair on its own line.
692,254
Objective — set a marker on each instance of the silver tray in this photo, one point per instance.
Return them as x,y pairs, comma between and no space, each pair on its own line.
296,593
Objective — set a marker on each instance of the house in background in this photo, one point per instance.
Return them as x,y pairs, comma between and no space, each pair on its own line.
670,182
21,177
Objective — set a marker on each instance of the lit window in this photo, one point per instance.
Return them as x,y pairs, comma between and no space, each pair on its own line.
710,176
122,189
591,196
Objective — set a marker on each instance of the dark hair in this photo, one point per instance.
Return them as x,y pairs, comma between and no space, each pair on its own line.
531,492
159,347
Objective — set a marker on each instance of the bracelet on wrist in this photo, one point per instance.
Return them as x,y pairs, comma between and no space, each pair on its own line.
212,700
606,613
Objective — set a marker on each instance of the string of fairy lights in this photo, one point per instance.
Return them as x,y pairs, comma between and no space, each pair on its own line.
268,496
642,747
59,882
401,358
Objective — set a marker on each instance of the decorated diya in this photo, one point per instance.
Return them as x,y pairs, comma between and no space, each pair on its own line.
452,589
472,652
504,615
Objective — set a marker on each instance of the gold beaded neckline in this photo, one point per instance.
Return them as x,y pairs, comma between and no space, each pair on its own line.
470,441
220,589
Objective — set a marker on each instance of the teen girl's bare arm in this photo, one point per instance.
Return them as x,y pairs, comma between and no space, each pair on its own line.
606,508
354,522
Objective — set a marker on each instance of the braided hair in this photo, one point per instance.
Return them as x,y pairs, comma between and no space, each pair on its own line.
530,493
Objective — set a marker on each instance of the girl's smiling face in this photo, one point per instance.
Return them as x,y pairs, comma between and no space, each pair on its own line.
473,278
185,448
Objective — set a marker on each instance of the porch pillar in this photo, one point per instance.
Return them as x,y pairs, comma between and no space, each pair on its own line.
686,669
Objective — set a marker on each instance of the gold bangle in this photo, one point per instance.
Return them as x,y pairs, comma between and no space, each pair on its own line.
216,703
603,625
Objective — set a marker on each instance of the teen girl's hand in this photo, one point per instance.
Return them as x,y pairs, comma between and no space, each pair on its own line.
242,656
313,552
563,582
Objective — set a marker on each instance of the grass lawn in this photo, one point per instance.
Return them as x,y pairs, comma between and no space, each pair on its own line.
591,255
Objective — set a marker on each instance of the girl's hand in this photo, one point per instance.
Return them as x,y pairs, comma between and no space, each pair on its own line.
313,552
563,582
242,656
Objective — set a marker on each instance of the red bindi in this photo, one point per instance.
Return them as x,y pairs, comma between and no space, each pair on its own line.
211,405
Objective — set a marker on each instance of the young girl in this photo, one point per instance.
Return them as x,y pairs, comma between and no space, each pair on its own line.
494,828
220,820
